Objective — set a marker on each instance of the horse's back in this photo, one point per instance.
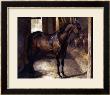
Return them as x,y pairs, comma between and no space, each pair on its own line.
35,34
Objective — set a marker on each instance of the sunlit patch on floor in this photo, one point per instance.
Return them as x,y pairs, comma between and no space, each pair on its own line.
80,57
47,67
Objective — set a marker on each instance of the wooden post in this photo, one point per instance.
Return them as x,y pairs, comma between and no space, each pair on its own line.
45,24
24,30
70,19
57,24
89,70
50,25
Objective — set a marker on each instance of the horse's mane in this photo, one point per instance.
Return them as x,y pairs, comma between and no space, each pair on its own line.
62,29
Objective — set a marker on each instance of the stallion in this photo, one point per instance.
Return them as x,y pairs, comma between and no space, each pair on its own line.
56,44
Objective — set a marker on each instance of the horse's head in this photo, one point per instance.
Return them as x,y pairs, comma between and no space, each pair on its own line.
77,27
73,28
67,29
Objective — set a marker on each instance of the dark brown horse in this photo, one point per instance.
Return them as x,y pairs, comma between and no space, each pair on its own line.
56,44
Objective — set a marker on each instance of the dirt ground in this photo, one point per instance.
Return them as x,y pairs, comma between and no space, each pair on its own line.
75,66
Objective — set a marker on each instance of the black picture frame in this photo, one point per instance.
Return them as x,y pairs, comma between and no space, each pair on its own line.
6,4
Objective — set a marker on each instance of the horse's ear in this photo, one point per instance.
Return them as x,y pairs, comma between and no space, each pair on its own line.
63,20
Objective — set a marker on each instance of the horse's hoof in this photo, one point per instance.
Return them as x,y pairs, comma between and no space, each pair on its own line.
59,75
62,75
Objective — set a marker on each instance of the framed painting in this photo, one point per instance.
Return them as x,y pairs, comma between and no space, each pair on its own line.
55,47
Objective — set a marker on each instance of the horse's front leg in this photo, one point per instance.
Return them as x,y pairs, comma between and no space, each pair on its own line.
58,66
62,64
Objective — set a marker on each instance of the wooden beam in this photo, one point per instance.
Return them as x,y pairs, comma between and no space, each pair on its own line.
57,23
89,70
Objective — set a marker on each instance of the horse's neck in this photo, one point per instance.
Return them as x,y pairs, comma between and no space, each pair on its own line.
66,33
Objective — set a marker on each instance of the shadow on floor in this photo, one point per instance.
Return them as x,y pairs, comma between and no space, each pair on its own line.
29,73
71,76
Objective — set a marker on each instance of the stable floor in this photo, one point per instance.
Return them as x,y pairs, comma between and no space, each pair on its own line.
75,65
